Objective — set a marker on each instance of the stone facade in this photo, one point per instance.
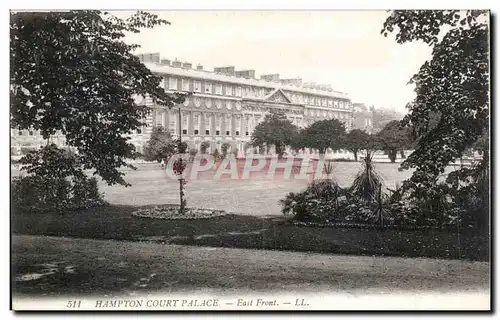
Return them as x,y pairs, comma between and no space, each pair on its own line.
362,117
225,106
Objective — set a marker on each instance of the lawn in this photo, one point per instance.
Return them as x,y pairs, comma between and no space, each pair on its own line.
258,196
68,267
244,231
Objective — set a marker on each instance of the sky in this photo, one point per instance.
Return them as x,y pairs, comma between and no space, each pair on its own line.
341,48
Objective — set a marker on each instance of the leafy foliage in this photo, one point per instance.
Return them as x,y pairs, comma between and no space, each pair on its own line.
324,134
355,140
160,146
275,130
451,109
319,202
72,73
394,138
224,149
204,147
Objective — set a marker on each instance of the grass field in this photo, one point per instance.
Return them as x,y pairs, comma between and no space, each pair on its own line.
256,196
244,231
67,267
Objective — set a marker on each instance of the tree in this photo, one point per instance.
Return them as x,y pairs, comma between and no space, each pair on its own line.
393,138
72,73
452,87
324,134
160,146
204,147
298,142
381,117
224,149
275,130
355,140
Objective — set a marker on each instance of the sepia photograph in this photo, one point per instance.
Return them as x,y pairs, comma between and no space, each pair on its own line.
250,160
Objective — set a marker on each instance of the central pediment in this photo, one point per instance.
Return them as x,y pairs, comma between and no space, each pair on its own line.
278,96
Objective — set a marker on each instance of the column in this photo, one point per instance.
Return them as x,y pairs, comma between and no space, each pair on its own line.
223,124
243,125
233,126
190,124
202,124
212,123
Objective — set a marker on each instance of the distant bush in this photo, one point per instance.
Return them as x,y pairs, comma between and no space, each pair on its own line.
37,194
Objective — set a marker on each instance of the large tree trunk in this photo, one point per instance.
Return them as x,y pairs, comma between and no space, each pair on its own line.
355,155
392,155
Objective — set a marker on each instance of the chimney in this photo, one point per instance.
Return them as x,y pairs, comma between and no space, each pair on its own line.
165,62
248,74
199,67
176,64
187,65
295,82
270,77
225,70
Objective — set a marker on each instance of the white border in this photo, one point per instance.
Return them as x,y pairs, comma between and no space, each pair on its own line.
182,5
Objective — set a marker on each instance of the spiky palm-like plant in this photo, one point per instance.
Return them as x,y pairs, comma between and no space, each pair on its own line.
367,182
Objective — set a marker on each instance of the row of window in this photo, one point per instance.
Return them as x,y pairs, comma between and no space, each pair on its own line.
207,132
236,91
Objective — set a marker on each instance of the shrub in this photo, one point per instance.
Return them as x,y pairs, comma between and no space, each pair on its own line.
368,182
216,154
55,181
37,194
224,149
204,147
320,202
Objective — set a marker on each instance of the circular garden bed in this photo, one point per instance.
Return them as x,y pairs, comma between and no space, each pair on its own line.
172,213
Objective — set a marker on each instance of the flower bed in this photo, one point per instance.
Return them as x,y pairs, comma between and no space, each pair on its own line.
172,213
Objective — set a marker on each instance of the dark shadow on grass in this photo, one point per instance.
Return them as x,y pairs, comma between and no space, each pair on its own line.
238,231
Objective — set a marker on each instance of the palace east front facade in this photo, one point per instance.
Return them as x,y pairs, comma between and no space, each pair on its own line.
227,104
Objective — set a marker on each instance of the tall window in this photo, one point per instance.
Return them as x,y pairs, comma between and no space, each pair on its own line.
229,90
237,125
185,84
218,124
185,123
197,86
208,123
218,89
172,83
208,87
196,123
173,122
238,91
228,124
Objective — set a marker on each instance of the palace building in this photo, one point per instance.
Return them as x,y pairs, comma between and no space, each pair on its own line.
226,104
